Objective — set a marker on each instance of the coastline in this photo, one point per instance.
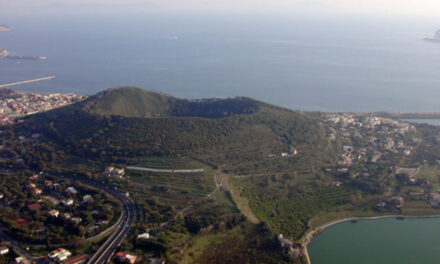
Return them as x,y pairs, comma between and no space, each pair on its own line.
310,235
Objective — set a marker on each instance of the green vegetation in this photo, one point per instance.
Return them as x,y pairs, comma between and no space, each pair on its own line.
290,216
267,170
26,215
240,142
135,102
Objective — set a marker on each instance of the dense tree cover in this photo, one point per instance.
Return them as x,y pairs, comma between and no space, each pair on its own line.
239,136
235,141
290,216
135,102
246,245
36,225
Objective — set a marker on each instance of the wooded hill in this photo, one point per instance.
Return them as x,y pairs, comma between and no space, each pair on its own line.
126,123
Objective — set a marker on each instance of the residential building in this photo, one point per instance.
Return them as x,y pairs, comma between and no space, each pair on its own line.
78,259
34,206
123,257
59,254
76,220
143,236
71,190
87,198
54,213
4,251
68,202
37,191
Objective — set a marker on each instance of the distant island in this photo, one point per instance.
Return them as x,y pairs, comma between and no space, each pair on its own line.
436,37
5,28
4,54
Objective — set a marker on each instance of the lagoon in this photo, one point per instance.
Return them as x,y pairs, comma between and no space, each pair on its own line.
409,241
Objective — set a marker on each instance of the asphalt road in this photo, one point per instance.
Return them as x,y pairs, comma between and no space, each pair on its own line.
108,249
128,213
15,245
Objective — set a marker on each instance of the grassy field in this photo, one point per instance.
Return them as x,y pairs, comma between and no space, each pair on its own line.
242,202
170,162
193,184
419,208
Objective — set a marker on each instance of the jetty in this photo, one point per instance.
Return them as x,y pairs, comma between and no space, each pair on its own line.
26,82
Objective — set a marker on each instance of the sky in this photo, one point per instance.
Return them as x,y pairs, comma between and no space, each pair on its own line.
380,7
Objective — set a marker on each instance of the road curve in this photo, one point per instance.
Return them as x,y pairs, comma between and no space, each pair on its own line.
108,249
126,220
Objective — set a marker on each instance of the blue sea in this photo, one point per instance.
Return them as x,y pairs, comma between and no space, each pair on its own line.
320,63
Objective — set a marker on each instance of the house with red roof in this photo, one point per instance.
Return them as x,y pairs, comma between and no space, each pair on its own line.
19,221
37,191
78,259
124,256
33,177
34,206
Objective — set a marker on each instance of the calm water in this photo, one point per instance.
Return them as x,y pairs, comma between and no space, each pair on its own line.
434,122
387,241
335,64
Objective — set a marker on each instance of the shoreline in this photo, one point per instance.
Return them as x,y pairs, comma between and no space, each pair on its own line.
310,235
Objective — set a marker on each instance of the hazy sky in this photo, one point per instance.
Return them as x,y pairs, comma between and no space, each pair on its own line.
382,7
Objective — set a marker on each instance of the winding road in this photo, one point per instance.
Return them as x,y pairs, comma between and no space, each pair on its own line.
123,225
108,249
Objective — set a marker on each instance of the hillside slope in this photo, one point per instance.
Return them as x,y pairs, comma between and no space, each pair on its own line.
136,102
128,123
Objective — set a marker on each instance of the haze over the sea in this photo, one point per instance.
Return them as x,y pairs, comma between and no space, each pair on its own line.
330,63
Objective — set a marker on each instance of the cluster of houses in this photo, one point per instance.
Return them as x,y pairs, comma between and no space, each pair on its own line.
290,153
111,171
125,257
60,202
64,200
64,256
394,201
289,247
5,251
18,104
377,137
434,199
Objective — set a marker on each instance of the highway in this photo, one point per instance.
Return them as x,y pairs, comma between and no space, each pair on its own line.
26,82
108,249
123,225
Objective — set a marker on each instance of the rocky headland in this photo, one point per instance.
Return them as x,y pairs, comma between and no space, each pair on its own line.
436,37
5,28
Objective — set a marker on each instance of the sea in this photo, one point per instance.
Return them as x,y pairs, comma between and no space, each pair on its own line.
325,63
384,241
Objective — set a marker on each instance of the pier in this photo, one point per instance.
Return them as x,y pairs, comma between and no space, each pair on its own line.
26,82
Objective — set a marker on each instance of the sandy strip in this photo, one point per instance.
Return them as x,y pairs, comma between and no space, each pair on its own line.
308,238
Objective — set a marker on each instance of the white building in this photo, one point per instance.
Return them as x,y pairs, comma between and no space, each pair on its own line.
54,213
143,236
59,254
71,190
87,198
4,251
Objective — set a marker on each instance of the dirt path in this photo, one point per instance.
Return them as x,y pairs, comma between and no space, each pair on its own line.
242,204
218,181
